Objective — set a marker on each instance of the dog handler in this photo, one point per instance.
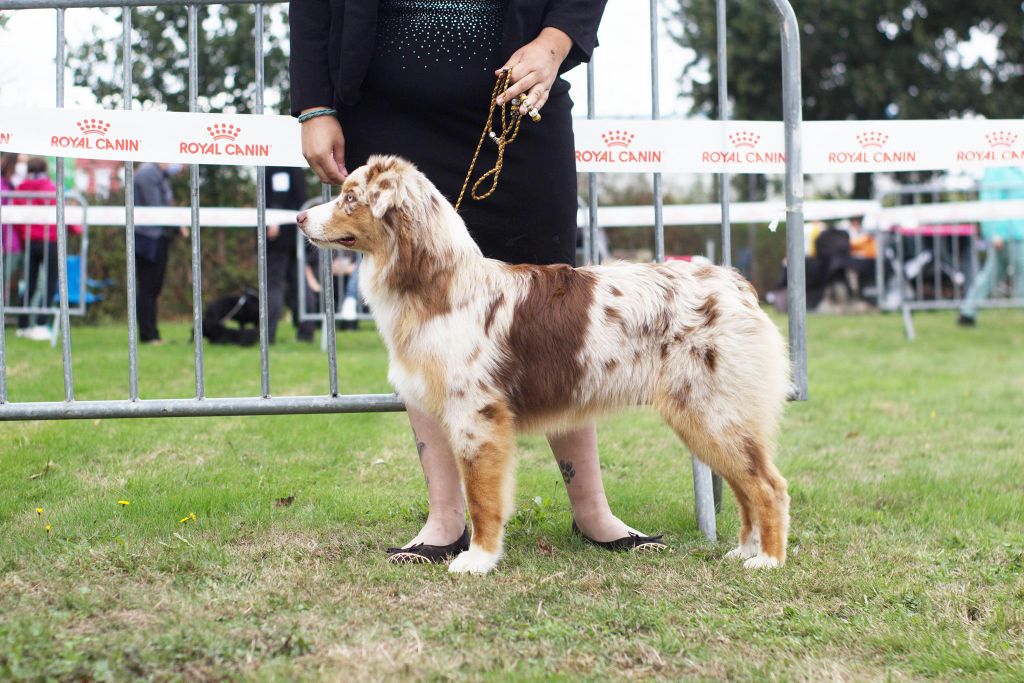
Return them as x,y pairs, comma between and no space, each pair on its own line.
414,78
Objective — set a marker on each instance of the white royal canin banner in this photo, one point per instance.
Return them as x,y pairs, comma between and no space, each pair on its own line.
681,146
602,145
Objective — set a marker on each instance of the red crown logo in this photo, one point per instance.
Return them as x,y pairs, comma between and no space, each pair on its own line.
223,131
617,138
93,126
872,139
744,138
1001,138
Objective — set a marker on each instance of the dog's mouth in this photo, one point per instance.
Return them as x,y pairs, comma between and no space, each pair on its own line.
344,240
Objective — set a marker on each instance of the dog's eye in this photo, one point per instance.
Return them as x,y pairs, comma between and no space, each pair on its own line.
349,197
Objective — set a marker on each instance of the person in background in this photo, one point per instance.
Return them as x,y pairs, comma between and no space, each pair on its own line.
12,248
861,264
350,298
152,244
285,189
1006,243
41,254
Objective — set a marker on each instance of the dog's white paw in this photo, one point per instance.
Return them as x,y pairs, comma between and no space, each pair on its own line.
747,549
762,561
474,561
742,552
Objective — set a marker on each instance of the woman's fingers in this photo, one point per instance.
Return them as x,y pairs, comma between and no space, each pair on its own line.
537,98
315,165
338,159
512,63
329,164
520,86
326,168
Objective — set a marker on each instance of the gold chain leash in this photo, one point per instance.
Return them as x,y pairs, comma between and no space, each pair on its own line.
510,120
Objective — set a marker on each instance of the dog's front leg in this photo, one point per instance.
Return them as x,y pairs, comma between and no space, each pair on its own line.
485,453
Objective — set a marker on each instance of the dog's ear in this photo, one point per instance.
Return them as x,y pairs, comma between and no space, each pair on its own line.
384,184
383,193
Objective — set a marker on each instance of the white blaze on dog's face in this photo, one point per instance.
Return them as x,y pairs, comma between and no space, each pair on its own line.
356,219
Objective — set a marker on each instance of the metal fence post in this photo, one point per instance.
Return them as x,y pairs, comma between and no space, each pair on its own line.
723,115
129,217
261,220
327,294
193,180
796,288
723,177
62,236
590,236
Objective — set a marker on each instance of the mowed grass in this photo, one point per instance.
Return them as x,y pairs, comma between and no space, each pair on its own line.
906,471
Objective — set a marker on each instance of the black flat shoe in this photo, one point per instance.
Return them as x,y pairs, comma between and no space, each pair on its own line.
421,553
631,543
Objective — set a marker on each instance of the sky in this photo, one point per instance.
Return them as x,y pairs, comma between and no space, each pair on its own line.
623,80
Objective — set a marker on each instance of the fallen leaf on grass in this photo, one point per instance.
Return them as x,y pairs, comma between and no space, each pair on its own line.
378,461
852,435
545,547
44,471
284,502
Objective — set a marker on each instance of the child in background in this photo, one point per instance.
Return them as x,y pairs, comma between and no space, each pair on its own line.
41,252
12,249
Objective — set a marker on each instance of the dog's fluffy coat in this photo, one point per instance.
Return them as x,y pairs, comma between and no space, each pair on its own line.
489,349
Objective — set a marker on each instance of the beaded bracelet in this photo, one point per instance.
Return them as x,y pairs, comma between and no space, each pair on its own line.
313,114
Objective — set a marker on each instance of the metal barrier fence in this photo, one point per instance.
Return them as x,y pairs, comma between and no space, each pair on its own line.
333,401
931,265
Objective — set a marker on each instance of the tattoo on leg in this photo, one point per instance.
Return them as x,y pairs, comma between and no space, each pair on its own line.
568,471
420,447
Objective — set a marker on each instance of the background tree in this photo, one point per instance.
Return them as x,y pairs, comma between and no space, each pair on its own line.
862,59
227,83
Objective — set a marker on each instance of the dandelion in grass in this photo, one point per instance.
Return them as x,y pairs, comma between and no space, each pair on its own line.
191,518
39,511
48,529
124,503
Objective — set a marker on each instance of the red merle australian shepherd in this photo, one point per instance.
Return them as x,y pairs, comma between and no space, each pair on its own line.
490,349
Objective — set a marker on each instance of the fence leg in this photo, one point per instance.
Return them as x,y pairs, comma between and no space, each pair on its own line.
702,493
908,323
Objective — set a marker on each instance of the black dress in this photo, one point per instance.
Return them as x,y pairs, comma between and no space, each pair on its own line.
426,97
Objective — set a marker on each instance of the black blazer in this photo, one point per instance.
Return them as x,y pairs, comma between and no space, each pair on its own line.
332,41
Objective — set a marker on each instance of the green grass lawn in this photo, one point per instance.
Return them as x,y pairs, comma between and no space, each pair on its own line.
906,471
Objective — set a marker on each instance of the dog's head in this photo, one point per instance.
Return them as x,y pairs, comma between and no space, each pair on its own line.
383,202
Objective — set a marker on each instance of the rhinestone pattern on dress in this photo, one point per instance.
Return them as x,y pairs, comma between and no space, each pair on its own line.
423,33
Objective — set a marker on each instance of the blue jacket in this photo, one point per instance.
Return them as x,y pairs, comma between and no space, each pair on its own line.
1003,183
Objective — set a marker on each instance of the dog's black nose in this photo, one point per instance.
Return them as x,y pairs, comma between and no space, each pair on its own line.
301,218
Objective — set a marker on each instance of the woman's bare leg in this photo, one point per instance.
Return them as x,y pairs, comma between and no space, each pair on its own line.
577,458
447,518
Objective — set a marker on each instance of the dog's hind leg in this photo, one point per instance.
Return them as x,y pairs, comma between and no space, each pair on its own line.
486,457
744,460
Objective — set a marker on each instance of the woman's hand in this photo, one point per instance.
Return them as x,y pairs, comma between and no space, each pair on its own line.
535,67
323,145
